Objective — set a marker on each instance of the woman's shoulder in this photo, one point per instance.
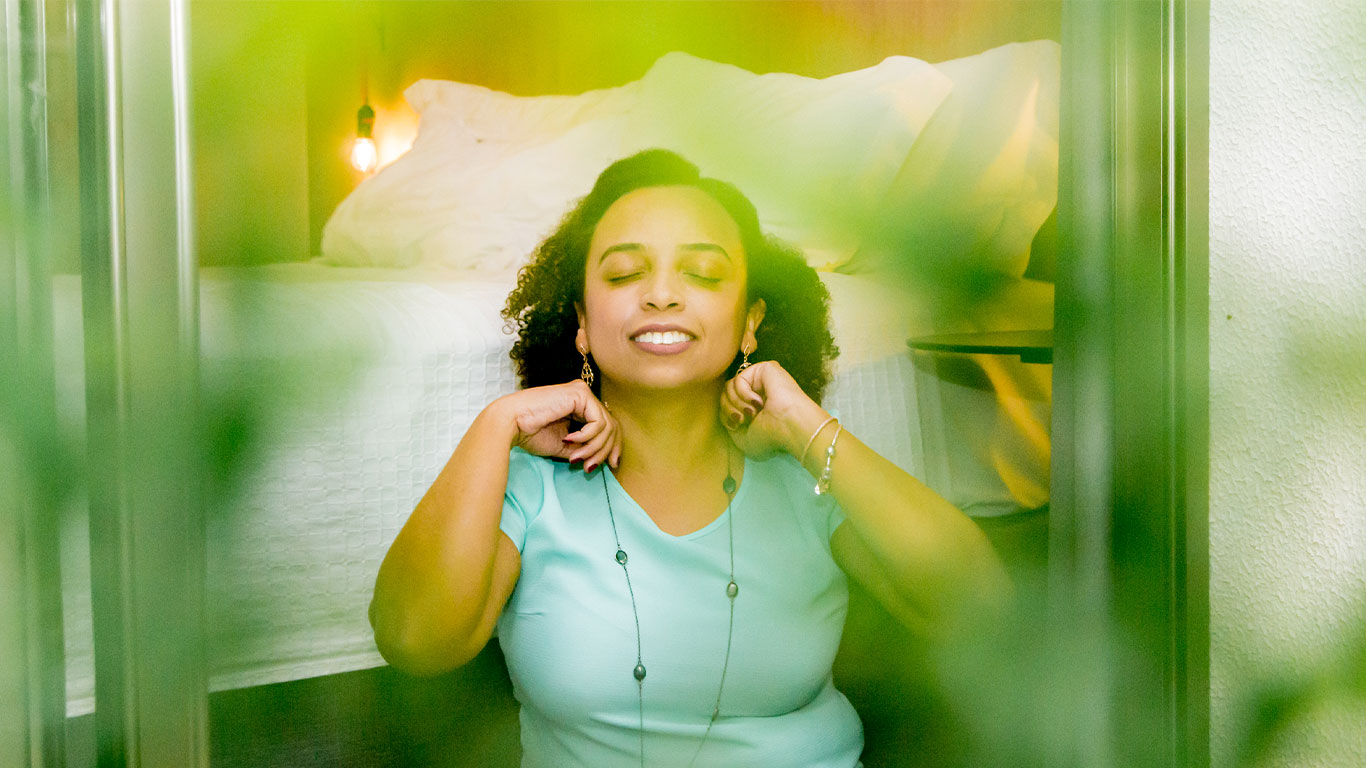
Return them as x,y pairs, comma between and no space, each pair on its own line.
531,486
527,470
525,458
798,486
785,478
782,466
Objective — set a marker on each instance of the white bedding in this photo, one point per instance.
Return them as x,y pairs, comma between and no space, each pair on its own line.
293,558
956,161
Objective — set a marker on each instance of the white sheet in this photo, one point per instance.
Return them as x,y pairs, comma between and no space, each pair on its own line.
292,561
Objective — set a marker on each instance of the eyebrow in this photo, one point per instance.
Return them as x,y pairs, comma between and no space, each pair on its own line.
637,247
620,247
712,247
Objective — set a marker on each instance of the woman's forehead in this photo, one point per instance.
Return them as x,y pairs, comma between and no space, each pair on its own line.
666,216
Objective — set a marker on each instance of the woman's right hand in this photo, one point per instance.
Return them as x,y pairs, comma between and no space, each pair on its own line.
542,417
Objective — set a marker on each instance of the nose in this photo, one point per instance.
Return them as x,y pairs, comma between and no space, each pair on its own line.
662,292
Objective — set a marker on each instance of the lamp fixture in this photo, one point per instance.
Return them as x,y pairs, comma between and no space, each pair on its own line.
364,154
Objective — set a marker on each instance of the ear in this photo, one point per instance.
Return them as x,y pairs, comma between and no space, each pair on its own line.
752,320
581,336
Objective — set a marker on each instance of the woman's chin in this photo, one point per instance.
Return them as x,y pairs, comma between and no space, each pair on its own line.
676,383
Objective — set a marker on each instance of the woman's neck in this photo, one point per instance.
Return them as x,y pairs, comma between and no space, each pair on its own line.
676,433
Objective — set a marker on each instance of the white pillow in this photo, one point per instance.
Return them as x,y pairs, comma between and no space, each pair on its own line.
814,155
509,208
469,205
457,199
491,174
983,176
462,111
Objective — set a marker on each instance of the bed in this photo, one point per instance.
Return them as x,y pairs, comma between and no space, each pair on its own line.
367,363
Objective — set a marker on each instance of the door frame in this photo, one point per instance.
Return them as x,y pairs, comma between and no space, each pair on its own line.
1129,544
34,484
140,314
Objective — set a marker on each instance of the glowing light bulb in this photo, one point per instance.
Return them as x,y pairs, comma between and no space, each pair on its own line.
364,156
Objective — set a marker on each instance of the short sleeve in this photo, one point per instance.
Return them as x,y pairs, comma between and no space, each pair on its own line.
829,513
833,519
524,496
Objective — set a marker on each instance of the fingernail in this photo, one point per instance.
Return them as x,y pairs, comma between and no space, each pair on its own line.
589,469
734,418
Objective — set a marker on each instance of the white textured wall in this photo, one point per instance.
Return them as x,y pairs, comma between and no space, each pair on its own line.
1288,358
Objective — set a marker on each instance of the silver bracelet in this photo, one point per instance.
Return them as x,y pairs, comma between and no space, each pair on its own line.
812,439
823,484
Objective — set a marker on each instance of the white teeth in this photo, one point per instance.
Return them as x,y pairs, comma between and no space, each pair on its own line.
668,337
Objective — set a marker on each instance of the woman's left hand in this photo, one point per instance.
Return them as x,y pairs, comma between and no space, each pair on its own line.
766,412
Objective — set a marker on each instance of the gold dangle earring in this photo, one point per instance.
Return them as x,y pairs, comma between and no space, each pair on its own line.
744,363
586,374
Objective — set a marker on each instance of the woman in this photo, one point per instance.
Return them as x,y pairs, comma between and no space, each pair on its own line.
680,593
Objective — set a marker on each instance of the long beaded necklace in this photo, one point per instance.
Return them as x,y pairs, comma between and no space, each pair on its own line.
732,589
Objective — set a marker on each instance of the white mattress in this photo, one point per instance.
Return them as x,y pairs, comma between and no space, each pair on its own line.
292,561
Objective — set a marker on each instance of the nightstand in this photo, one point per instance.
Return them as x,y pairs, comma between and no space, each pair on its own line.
984,401
1030,346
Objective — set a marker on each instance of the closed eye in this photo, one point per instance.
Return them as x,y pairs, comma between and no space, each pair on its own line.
703,278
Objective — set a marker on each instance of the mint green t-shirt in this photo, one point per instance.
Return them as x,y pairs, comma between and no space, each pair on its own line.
569,635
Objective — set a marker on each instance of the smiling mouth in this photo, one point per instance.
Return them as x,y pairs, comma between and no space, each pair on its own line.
665,343
664,339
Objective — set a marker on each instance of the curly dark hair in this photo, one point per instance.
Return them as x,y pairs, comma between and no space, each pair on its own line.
794,331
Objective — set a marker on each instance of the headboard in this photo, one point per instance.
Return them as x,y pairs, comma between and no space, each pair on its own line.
277,84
